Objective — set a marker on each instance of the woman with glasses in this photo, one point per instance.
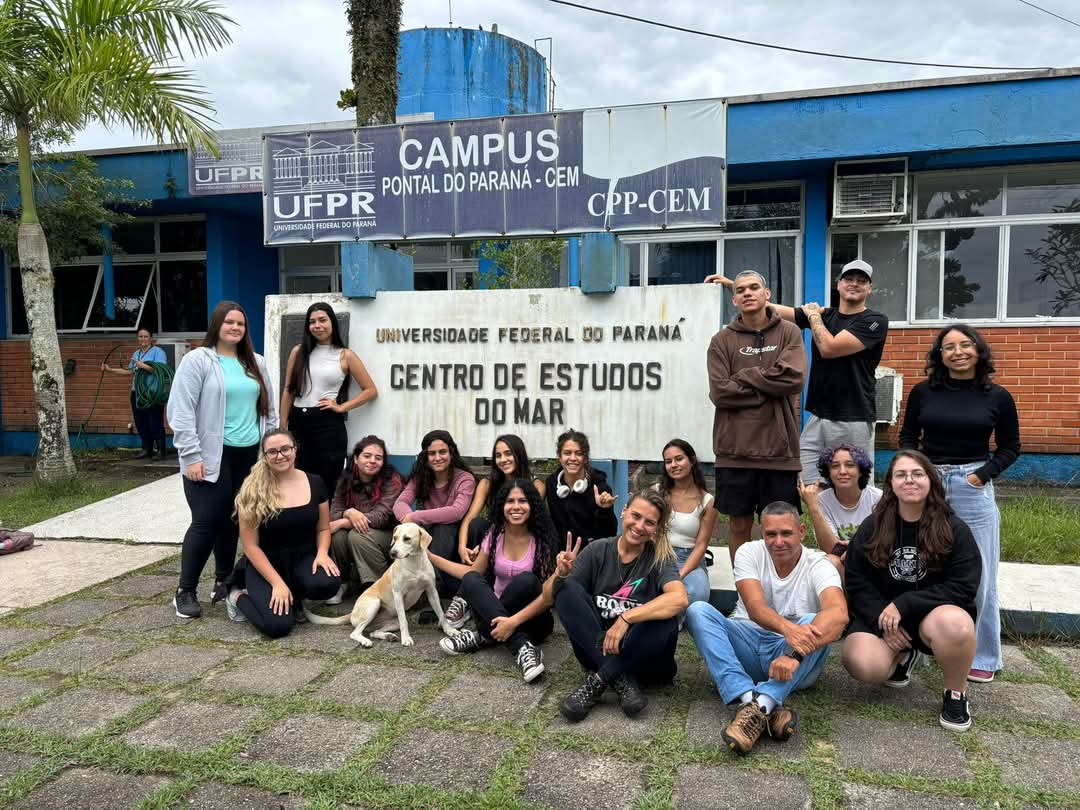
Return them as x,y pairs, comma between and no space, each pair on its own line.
284,516
912,573
220,403
950,416
362,515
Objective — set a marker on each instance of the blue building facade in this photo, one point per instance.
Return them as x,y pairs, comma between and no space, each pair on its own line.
952,189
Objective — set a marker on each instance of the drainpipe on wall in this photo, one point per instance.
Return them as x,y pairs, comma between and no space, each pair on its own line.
107,280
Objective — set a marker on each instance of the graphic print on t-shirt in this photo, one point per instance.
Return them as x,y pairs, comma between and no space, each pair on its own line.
613,605
906,566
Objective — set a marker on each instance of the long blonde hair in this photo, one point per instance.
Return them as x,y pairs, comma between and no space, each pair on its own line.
258,500
662,550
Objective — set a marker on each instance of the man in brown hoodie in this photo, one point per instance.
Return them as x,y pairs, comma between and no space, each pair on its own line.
757,366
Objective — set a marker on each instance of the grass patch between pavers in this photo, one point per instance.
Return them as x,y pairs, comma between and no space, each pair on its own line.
40,501
360,781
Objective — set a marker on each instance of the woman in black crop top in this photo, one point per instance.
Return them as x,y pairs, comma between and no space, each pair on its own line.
950,417
284,516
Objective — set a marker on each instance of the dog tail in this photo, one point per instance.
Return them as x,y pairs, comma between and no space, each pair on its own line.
315,618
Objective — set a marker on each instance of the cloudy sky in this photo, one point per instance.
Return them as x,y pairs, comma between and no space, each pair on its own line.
289,60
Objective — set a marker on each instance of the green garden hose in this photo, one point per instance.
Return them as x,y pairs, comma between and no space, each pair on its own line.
151,388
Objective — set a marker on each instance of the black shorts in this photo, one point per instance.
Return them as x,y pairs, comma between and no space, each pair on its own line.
748,491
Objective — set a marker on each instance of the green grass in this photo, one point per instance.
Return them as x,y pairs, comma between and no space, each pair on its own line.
1040,530
40,501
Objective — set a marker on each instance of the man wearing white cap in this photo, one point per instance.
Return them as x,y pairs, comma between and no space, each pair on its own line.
847,344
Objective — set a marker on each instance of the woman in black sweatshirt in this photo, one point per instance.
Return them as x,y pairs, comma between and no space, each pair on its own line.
950,417
912,573
578,497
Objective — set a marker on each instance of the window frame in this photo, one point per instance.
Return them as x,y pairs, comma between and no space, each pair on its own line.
118,260
1003,222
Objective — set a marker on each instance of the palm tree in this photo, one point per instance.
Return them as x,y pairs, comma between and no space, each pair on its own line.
63,64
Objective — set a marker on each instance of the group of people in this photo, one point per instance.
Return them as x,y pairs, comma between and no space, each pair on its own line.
903,570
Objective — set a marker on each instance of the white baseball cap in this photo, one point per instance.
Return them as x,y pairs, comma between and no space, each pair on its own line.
857,266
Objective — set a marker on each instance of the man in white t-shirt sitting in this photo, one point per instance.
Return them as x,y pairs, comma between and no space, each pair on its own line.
790,608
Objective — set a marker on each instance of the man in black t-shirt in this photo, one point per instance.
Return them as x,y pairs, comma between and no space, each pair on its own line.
847,344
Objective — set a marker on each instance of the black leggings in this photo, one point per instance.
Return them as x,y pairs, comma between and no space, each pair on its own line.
520,591
212,526
150,423
321,443
444,543
255,605
648,648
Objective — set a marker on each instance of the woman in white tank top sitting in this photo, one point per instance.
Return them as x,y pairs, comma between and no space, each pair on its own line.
310,409
692,520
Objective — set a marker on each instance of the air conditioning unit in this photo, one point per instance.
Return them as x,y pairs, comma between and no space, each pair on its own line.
870,190
174,351
888,388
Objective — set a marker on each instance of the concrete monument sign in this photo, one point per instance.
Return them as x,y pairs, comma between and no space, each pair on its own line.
627,368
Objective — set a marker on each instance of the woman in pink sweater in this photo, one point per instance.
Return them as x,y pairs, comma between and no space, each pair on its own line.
437,496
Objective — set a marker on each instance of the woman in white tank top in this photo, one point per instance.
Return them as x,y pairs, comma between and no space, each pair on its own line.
316,375
692,518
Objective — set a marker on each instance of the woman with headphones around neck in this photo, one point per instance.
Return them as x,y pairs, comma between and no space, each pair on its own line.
578,497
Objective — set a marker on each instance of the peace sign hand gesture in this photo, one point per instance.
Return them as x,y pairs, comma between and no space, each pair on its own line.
564,563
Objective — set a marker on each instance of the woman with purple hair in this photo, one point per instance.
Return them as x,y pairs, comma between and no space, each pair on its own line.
841,500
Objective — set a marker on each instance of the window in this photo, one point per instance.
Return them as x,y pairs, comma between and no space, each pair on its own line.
680,262
764,208
314,268
1044,271
1009,250
164,289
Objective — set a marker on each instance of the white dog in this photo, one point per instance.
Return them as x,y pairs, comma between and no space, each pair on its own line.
398,589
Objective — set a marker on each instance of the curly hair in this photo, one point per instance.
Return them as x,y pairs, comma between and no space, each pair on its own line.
858,455
582,441
935,533
421,471
257,500
496,477
539,526
936,372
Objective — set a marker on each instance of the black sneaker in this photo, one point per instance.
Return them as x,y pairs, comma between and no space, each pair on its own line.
219,592
631,699
901,676
466,641
579,703
299,614
187,606
530,661
954,711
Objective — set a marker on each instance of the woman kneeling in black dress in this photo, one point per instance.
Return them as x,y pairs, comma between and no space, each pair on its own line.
284,516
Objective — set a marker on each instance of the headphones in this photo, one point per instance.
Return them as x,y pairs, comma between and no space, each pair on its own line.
563,491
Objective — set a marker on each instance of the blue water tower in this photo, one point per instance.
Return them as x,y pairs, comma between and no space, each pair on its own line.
455,73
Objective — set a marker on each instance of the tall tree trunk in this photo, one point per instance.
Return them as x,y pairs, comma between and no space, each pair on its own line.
373,32
54,461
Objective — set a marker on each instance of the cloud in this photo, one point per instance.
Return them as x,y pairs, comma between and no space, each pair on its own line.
288,61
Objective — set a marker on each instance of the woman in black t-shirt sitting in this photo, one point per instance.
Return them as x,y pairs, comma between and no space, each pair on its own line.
618,600
912,572
284,516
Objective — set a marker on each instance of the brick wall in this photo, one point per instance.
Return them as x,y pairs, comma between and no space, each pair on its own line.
113,411
1040,366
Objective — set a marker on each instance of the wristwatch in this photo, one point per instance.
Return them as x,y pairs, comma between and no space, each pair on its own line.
798,656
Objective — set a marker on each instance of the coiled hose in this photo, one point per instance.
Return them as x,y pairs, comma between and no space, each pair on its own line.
151,388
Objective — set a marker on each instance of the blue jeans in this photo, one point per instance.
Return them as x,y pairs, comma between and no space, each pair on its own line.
738,654
978,509
697,581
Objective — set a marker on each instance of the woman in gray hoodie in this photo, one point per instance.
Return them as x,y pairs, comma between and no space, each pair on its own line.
220,405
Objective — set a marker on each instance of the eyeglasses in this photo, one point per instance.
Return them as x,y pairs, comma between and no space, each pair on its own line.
905,475
963,344
274,452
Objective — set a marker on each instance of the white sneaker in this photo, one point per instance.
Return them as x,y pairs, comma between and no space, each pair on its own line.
337,598
231,610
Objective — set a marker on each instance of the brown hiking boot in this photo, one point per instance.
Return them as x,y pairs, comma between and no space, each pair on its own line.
782,723
745,729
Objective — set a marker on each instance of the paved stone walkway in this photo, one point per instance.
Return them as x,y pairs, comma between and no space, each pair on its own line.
108,701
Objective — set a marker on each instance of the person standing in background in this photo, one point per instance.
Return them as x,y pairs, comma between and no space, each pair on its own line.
149,421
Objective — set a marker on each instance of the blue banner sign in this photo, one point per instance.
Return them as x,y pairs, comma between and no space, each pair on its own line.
621,169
